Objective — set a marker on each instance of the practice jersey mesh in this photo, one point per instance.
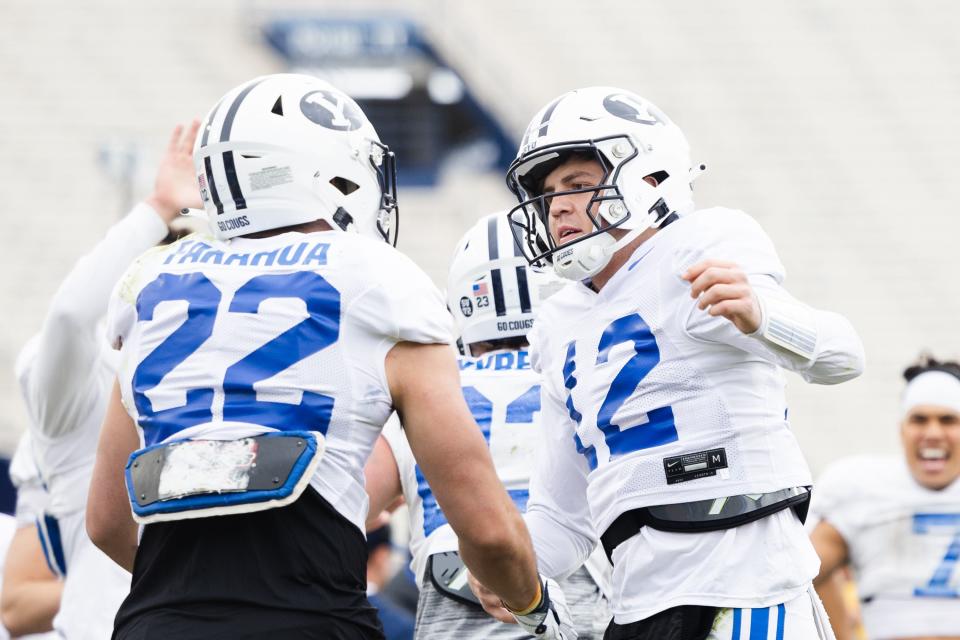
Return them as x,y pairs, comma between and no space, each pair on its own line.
903,541
651,400
646,377
504,397
225,339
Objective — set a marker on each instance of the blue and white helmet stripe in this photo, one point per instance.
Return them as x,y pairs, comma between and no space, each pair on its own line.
491,291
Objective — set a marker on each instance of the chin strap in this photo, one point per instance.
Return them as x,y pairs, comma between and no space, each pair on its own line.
599,255
342,218
659,213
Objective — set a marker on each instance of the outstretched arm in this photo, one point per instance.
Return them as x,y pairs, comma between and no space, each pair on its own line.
756,314
31,592
383,481
557,515
448,446
110,523
69,345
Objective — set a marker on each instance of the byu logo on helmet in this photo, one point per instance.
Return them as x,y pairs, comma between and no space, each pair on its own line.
625,106
628,140
279,168
332,110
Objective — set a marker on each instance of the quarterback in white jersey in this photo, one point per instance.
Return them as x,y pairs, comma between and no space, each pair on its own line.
493,297
65,373
896,519
662,380
258,365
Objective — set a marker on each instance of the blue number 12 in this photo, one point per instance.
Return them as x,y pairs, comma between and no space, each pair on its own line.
659,427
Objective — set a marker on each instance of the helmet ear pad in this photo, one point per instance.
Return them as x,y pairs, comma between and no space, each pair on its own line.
287,149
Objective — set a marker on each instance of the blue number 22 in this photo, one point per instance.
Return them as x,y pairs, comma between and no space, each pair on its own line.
659,427
319,330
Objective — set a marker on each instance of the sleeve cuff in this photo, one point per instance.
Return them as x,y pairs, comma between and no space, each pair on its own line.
788,325
148,223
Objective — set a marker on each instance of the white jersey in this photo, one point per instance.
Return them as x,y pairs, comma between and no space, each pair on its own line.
503,394
66,372
25,476
65,375
228,339
903,539
653,401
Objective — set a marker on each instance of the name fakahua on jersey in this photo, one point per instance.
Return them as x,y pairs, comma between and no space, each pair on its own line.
303,254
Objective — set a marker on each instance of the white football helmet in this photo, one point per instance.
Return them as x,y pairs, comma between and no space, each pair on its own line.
631,139
286,149
491,291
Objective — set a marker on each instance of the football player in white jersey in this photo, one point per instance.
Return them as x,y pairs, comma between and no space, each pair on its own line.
258,366
661,381
493,297
65,373
896,519
31,591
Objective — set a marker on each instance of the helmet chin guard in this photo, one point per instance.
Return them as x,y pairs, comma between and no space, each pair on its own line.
633,141
582,260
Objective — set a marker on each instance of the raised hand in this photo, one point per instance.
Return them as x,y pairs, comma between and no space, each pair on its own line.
175,186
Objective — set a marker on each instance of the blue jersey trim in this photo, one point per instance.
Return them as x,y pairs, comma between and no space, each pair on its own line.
51,542
759,623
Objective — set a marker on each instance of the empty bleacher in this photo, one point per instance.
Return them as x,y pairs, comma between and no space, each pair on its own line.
831,123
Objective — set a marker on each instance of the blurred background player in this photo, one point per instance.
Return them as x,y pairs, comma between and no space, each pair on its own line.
493,296
65,374
397,621
258,368
31,591
895,520
662,382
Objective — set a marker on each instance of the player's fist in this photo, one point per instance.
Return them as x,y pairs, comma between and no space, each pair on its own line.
489,600
723,290
551,619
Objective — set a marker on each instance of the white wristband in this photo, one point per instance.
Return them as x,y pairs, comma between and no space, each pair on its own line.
789,325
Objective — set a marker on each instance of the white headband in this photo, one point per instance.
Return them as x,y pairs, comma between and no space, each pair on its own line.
936,388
